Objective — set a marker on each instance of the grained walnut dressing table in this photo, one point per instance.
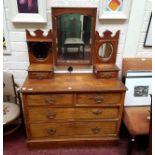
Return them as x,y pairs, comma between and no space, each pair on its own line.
72,107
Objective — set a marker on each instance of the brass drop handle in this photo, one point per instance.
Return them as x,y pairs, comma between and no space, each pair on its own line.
50,101
95,130
38,76
107,75
51,131
98,99
51,115
97,112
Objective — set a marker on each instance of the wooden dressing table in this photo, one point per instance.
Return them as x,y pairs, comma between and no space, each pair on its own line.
72,107
68,107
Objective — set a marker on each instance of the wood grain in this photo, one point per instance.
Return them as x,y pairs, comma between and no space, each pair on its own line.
48,114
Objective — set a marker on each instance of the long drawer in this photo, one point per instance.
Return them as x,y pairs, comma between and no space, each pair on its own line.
98,99
74,129
50,99
65,114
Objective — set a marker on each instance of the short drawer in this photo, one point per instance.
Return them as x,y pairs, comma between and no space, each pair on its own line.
98,99
50,99
107,75
40,74
95,129
96,113
50,114
51,130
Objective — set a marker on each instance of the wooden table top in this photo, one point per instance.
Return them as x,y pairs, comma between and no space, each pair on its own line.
72,83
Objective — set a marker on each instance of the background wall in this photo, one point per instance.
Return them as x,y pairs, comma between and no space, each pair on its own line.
131,40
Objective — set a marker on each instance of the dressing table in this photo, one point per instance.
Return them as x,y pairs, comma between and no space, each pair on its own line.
65,108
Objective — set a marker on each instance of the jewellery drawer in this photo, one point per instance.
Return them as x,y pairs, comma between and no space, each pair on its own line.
65,114
40,71
40,75
50,99
52,130
105,71
95,129
106,75
98,99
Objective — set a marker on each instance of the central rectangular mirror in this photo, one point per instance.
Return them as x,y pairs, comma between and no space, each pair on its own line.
74,30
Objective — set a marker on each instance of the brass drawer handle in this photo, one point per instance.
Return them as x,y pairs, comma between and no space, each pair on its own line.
97,112
95,130
50,101
107,75
51,115
99,99
38,76
51,131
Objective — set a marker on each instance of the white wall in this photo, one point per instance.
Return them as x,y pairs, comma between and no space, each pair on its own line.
137,26
17,61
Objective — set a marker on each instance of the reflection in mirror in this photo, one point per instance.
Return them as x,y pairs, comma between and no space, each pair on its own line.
40,50
73,38
105,51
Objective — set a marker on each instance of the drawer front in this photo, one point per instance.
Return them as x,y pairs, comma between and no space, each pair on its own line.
50,114
40,75
96,113
107,75
51,130
50,99
73,129
41,114
98,99
95,129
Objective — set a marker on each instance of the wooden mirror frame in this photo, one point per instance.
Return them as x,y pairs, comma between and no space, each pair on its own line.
107,38
39,37
57,11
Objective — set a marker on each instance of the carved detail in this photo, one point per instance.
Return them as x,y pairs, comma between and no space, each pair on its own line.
106,38
40,42
107,35
39,35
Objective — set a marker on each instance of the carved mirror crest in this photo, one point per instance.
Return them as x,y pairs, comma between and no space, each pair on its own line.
40,46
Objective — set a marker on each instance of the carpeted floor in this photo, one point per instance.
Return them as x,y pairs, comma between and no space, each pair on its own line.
15,145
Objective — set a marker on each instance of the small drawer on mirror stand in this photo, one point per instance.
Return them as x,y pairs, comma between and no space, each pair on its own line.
40,71
40,75
105,71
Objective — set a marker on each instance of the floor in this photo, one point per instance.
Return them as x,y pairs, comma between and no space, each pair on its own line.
15,145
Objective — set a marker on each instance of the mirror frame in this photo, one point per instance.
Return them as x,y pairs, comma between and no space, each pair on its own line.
105,59
107,38
57,11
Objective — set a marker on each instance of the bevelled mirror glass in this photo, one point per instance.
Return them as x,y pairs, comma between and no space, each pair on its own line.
40,50
74,35
73,38
105,51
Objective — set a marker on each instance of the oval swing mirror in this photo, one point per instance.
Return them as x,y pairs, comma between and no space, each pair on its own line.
40,50
105,51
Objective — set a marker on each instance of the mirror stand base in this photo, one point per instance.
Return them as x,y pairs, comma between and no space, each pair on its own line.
105,71
40,71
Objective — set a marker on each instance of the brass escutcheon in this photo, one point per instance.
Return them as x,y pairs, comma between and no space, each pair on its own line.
51,131
96,130
51,115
